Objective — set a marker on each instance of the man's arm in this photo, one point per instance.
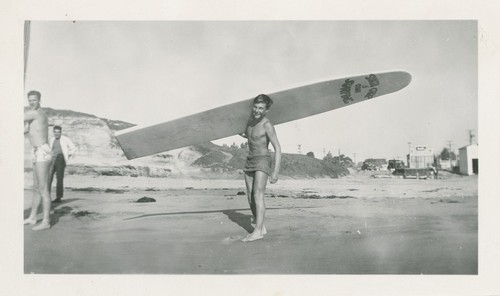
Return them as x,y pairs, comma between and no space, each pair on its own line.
71,147
29,115
271,133
28,118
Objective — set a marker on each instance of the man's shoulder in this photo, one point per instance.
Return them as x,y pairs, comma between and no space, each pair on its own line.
42,112
38,114
32,112
266,122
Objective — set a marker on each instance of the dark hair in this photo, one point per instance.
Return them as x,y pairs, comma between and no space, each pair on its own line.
263,99
35,93
56,127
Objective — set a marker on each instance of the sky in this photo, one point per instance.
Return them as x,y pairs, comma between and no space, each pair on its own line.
152,72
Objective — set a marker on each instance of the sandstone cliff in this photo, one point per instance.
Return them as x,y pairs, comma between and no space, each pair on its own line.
98,153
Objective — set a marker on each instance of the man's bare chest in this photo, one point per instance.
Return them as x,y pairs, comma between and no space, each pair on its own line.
40,119
256,132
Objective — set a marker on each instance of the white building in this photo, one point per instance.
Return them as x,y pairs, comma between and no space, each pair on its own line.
420,157
469,160
448,164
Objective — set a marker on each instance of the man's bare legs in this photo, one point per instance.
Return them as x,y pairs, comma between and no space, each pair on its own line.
35,200
40,194
249,182
258,186
249,176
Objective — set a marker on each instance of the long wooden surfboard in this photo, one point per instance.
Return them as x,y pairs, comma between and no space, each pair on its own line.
231,119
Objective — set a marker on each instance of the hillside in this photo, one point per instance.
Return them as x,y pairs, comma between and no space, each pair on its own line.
98,153
227,159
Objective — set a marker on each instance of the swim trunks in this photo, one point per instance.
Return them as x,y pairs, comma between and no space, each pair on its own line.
41,153
258,163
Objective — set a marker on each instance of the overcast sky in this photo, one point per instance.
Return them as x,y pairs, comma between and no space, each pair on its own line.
151,72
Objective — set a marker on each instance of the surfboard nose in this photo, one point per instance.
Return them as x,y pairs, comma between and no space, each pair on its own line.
395,81
404,79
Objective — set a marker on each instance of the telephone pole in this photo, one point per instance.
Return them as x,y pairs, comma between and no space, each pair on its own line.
471,136
449,151
408,159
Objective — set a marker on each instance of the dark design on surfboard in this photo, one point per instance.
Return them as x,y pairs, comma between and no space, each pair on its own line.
346,88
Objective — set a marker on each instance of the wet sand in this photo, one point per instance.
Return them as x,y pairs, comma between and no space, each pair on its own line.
353,225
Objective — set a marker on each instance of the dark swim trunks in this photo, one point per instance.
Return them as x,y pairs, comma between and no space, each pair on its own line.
258,163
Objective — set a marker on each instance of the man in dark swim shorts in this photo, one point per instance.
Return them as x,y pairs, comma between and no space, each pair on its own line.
260,132
259,163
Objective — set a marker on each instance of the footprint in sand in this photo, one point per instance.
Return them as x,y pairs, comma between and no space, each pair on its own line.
232,239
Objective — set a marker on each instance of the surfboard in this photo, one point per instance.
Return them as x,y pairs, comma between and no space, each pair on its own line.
231,119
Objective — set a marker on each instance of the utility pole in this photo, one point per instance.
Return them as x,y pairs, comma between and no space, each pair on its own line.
449,151
471,136
409,154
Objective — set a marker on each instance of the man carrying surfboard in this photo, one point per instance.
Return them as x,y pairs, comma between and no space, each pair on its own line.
259,132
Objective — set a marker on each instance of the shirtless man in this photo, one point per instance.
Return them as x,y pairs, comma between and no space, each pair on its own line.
260,132
36,126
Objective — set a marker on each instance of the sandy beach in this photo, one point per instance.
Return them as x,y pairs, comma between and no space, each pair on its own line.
352,225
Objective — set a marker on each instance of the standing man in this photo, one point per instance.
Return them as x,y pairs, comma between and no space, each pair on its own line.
62,150
36,126
260,132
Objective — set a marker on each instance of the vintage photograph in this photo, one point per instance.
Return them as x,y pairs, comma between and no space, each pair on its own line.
251,147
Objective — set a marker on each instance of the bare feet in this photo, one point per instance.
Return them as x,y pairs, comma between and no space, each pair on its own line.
264,230
253,237
42,226
30,221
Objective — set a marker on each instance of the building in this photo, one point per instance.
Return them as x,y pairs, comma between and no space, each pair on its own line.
469,160
448,164
420,157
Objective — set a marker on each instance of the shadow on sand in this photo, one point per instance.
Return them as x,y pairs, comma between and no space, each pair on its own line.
58,210
243,220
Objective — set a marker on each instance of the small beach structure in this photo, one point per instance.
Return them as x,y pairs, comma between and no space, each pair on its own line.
469,159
